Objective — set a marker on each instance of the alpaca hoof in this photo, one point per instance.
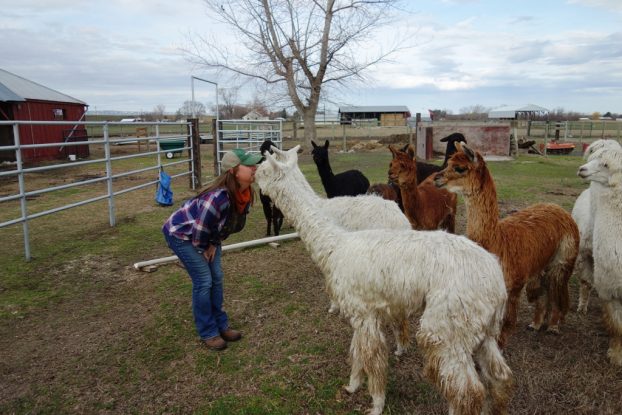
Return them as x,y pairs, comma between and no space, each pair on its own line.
350,389
533,327
373,411
615,356
553,330
333,309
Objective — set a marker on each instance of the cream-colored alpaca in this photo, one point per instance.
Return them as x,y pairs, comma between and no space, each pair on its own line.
605,172
375,275
355,213
583,214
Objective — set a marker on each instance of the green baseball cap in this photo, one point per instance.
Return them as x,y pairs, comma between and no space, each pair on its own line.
238,156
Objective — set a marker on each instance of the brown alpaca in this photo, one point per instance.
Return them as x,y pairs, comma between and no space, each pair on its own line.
537,246
425,206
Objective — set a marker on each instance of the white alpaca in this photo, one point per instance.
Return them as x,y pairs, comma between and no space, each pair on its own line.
355,213
605,172
583,214
375,275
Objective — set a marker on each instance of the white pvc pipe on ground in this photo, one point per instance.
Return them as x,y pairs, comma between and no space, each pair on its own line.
240,245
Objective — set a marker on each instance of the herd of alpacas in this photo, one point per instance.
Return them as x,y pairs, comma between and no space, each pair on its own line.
467,300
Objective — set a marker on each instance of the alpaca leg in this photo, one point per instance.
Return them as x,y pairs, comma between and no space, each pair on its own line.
275,225
267,211
369,355
584,296
537,293
334,308
452,369
539,312
509,320
612,313
402,336
496,375
558,294
585,270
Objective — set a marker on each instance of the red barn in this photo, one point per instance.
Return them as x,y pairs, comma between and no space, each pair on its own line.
24,100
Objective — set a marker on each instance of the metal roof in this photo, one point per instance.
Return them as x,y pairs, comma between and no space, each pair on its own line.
510,112
375,108
16,88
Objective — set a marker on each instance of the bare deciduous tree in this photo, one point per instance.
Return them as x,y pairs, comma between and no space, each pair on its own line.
229,98
191,108
299,46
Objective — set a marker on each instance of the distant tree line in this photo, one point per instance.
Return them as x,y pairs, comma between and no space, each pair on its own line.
480,113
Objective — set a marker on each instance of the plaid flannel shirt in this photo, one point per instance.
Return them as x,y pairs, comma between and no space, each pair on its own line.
200,219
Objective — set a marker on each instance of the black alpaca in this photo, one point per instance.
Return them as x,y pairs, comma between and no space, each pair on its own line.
348,183
274,217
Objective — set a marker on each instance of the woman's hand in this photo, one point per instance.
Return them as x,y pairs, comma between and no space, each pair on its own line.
209,253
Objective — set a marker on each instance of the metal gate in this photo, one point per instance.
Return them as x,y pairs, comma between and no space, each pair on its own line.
167,138
248,135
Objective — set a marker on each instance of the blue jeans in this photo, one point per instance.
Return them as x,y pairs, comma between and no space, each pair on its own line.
207,287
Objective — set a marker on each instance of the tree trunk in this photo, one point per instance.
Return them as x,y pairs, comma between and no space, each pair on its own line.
310,131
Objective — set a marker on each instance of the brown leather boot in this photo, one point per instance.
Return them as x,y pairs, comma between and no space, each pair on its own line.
231,335
215,343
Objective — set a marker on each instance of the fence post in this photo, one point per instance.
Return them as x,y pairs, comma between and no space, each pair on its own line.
195,153
345,147
111,209
22,192
215,146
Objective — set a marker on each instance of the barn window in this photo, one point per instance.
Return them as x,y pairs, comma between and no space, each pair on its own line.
59,113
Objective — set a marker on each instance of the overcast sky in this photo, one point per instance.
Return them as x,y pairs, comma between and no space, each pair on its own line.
125,54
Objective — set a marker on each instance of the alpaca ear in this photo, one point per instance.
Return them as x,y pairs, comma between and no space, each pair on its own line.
277,150
326,143
469,153
410,151
313,144
291,156
272,161
393,150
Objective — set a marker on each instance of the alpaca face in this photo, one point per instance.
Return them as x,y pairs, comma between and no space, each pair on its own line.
401,168
320,153
275,167
455,177
605,168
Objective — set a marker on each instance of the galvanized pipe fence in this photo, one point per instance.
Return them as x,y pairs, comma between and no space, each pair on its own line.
21,170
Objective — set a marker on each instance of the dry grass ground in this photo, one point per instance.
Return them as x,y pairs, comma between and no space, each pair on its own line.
82,332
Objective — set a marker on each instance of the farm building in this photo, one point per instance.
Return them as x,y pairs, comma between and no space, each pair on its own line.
24,100
514,113
254,116
387,116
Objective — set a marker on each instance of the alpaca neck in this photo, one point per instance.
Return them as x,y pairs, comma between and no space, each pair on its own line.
300,205
326,173
410,195
482,210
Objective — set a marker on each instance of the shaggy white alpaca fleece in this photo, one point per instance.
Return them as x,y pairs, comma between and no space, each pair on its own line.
583,214
356,213
350,212
376,275
605,172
